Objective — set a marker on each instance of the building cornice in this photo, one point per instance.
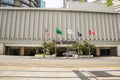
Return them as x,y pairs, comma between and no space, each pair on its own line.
53,9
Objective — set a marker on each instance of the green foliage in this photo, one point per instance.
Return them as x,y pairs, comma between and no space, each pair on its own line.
84,47
81,1
92,48
50,47
108,2
80,47
74,46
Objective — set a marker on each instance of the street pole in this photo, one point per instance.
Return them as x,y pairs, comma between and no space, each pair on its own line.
55,49
56,46
78,48
44,44
67,43
89,46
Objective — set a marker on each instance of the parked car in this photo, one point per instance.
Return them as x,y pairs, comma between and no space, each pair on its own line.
70,53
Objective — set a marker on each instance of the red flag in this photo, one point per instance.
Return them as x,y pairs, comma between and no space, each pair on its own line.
91,32
47,33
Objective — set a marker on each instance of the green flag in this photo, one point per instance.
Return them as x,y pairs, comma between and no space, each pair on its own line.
58,31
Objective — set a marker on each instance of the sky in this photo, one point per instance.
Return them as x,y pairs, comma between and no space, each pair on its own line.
91,0
53,3
57,3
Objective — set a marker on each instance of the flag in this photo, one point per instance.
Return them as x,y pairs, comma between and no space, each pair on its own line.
69,31
58,31
47,33
91,32
79,34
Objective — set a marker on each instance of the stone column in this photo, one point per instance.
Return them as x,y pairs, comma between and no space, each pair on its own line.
2,49
113,51
118,50
98,51
22,51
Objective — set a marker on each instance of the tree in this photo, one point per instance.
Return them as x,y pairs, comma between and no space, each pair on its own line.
84,49
75,46
87,46
92,49
107,2
49,47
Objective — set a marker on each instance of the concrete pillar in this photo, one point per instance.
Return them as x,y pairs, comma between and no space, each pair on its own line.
22,51
2,49
118,50
97,51
113,51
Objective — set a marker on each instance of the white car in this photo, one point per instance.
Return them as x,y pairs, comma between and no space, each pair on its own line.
70,53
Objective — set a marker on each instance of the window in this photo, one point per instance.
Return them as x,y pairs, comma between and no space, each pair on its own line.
26,1
8,1
24,5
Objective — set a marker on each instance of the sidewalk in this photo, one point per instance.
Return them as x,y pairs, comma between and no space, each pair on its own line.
33,68
59,74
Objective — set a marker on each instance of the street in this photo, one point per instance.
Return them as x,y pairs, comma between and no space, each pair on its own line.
35,68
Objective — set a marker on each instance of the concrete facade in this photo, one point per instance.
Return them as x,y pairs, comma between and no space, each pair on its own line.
113,50
22,51
2,49
26,26
98,51
88,6
118,50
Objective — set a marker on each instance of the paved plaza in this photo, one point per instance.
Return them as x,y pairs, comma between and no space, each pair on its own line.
35,68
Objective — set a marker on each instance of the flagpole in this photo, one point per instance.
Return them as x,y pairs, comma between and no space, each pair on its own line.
56,46
58,32
55,49
78,48
89,46
79,36
67,43
44,45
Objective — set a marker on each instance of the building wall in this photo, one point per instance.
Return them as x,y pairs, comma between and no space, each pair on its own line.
20,3
20,26
88,6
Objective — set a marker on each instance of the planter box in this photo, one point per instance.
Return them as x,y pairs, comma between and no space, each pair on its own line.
84,56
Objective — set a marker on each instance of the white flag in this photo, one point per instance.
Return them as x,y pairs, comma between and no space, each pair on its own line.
70,31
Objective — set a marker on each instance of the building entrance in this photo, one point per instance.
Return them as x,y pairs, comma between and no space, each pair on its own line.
60,51
105,52
12,51
29,51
